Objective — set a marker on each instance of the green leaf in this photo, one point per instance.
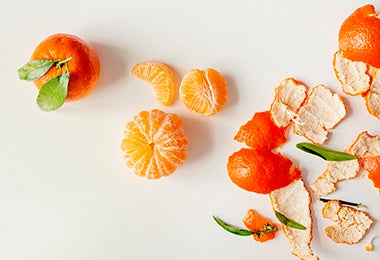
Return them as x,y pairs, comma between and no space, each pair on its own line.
324,153
53,93
288,222
232,229
34,69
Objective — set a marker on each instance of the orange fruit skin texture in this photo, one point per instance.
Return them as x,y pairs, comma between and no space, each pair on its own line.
84,67
359,36
261,133
154,144
261,171
372,166
255,222
204,92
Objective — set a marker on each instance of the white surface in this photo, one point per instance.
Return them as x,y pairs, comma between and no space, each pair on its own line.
65,192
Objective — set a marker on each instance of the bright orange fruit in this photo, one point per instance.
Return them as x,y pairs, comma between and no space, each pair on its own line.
359,36
372,166
261,132
261,171
154,144
160,77
84,65
204,92
256,222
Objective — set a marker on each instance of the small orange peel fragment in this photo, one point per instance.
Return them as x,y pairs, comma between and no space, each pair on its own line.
256,222
351,224
289,96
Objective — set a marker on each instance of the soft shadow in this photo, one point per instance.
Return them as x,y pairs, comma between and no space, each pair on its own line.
232,90
112,64
199,133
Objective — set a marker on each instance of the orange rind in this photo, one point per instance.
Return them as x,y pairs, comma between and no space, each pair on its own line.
294,202
256,222
289,96
322,111
351,224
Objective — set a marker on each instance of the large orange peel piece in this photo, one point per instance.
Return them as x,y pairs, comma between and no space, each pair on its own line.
260,171
322,111
351,224
294,202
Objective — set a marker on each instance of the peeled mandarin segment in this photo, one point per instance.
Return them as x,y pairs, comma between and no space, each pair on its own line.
294,202
359,36
154,144
160,77
373,96
322,111
257,222
260,171
353,75
289,96
204,92
261,132
352,224
372,166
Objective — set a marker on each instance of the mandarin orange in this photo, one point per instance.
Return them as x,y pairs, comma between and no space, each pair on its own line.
82,60
204,92
154,144
359,36
160,77
256,222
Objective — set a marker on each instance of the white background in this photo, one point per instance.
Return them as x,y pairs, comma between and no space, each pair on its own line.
65,192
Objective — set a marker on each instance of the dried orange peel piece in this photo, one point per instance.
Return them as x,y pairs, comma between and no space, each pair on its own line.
260,171
204,92
154,144
289,96
322,111
352,224
261,133
294,202
256,222
353,75
373,95
160,77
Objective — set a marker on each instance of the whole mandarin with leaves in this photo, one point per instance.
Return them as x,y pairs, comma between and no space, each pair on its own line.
82,62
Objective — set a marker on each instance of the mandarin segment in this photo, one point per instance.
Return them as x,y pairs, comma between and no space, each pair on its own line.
261,132
160,77
359,36
256,222
154,144
84,65
204,92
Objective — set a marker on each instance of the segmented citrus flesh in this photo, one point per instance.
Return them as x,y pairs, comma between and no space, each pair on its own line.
160,77
204,92
154,144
